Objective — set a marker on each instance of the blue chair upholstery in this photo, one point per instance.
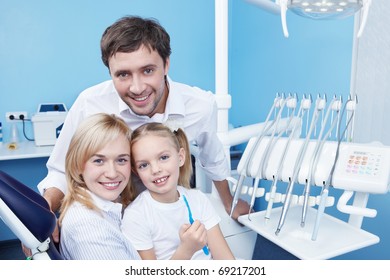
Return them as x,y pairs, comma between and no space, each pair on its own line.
28,216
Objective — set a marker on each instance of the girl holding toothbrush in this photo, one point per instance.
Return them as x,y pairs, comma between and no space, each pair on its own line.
169,220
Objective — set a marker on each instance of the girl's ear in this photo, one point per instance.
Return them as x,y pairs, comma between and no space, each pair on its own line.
182,157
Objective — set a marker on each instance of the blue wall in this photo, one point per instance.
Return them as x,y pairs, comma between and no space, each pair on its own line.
49,52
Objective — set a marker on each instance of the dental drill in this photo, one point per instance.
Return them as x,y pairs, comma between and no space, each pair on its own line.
303,109
276,104
335,105
290,102
350,106
320,105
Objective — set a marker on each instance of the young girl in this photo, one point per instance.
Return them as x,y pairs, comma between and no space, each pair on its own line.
97,172
158,222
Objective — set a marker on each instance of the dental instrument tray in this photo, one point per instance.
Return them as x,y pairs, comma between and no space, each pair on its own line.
335,238
359,169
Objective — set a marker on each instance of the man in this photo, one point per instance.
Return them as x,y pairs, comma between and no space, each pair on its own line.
136,52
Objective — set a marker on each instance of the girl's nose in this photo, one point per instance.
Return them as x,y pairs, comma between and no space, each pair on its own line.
156,168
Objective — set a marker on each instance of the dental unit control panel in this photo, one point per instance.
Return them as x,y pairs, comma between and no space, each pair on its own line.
324,158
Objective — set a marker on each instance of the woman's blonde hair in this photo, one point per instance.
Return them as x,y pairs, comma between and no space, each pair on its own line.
179,139
92,135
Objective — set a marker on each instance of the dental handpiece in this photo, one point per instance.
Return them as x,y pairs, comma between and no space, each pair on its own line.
237,193
270,145
290,187
266,127
325,189
303,108
253,197
334,106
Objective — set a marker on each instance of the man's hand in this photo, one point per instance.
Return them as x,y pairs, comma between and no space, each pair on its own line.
242,207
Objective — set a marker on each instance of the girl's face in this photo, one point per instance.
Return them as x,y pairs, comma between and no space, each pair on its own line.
107,172
157,163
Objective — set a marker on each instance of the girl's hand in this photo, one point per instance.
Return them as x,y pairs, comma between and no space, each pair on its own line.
193,237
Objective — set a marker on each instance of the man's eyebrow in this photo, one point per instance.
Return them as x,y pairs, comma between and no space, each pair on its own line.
126,71
121,71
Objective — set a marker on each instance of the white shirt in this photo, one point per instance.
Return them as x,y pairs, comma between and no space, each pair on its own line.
90,235
148,223
195,108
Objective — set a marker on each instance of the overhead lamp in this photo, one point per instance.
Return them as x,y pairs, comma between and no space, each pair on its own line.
324,9
317,9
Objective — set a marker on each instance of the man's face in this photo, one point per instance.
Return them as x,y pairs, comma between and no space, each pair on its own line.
139,79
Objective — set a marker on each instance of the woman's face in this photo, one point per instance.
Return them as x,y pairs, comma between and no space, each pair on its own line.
107,172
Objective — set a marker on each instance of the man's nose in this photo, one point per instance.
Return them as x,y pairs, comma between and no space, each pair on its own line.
136,85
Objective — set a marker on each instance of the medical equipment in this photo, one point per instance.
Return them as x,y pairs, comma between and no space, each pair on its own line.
316,9
47,123
304,108
291,103
320,104
243,170
359,169
328,182
335,105
29,217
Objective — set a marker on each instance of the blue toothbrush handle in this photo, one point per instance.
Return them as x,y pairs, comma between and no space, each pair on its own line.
205,250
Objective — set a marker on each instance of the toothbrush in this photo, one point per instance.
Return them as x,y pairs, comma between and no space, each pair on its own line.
205,249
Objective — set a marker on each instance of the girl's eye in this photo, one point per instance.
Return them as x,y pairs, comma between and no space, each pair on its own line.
142,165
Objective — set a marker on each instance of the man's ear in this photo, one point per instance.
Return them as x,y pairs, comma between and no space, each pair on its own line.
166,67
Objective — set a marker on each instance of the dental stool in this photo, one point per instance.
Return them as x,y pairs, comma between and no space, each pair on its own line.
28,216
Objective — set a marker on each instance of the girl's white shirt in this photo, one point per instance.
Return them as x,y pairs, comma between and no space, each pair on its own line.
148,223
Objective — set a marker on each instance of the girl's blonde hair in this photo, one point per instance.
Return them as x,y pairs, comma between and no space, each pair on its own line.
92,135
179,139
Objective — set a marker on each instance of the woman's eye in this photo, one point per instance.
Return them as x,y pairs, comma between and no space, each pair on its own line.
122,160
164,157
98,161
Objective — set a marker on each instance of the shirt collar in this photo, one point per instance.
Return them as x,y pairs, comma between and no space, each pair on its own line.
105,205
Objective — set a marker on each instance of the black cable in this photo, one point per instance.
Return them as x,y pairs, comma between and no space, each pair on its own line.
24,128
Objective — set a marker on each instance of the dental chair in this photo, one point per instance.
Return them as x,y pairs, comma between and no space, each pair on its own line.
28,216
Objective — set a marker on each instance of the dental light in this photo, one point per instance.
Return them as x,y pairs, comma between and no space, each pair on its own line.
317,9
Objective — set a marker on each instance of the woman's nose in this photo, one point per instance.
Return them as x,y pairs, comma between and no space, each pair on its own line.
111,170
